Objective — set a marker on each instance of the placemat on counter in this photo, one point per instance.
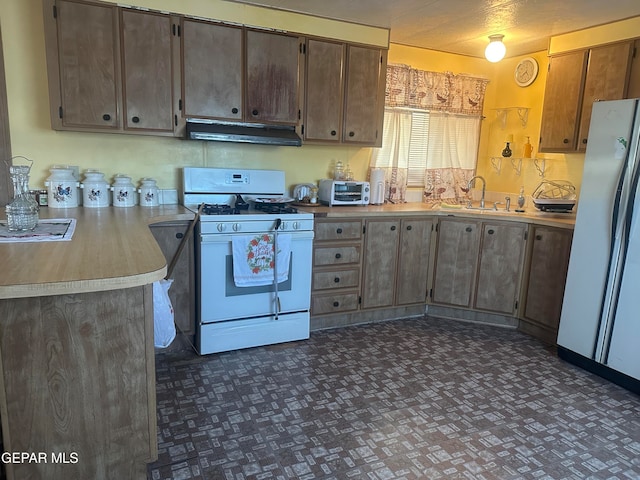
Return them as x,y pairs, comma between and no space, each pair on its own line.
47,230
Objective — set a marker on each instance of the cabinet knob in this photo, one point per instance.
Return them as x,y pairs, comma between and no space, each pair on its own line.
393,227
106,117
336,304
469,229
408,227
254,112
538,237
351,134
338,255
339,230
490,231
135,119
234,110
584,141
566,140
179,235
333,133
336,280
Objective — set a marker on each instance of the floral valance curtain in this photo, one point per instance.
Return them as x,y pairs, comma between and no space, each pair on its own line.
436,91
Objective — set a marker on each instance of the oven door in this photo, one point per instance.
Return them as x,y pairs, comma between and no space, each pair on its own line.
219,297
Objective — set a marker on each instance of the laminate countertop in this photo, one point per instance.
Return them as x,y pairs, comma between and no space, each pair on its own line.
530,215
112,248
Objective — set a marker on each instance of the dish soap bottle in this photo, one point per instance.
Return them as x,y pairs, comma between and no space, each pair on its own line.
528,149
521,200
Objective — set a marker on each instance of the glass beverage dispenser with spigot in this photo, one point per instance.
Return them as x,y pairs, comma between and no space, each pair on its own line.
22,211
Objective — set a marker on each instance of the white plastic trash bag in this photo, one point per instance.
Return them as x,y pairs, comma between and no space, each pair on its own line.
164,328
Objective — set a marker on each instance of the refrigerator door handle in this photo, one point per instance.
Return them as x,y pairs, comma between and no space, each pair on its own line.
626,237
612,276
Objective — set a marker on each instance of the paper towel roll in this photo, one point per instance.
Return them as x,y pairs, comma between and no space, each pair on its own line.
377,186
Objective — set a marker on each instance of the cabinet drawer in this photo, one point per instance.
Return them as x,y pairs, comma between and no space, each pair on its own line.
321,304
342,230
336,279
336,255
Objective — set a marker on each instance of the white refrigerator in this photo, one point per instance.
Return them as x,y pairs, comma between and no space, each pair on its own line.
600,321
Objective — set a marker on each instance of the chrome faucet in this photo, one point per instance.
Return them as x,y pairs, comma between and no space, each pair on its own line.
484,187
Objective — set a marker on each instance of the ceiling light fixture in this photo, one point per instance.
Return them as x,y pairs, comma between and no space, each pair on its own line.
495,50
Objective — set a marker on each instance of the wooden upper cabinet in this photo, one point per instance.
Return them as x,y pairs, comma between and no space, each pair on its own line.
212,70
324,90
607,79
84,71
272,78
562,102
634,75
364,95
147,70
576,80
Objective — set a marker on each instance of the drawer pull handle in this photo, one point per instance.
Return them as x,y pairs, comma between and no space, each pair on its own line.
538,237
469,229
336,304
338,255
408,227
351,134
339,230
393,227
106,117
234,110
179,235
490,231
333,133
566,140
336,280
254,112
135,119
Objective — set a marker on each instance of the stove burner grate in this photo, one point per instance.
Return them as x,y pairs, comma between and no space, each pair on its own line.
218,209
278,208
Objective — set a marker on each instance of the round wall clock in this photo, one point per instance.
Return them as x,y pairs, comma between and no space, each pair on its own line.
526,71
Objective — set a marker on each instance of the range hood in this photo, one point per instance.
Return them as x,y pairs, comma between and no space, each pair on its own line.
198,129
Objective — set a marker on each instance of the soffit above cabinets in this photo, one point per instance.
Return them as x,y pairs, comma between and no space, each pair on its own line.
463,26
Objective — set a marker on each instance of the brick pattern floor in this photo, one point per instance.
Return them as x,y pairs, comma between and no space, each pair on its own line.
410,399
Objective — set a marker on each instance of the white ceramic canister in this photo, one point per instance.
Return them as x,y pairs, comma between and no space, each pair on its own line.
124,191
148,193
62,187
95,189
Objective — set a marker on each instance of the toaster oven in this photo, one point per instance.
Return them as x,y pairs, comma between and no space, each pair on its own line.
343,192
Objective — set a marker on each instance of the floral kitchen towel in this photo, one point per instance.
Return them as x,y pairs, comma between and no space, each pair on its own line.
254,262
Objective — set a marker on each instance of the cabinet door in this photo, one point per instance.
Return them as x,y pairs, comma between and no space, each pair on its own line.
147,71
212,70
500,267
273,76
182,292
413,261
364,95
547,273
88,66
379,262
607,75
456,260
324,90
562,102
633,91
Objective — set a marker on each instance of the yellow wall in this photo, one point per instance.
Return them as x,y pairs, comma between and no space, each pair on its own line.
21,24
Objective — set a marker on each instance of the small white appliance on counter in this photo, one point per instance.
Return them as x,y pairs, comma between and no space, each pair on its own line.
377,186
600,321
246,294
343,192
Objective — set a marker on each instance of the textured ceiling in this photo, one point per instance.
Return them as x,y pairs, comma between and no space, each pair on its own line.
463,26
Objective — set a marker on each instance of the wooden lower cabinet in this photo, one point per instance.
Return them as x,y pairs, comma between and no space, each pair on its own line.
380,262
337,253
546,274
500,267
182,290
78,378
456,261
413,260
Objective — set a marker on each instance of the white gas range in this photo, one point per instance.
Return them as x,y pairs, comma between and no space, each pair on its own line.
248,236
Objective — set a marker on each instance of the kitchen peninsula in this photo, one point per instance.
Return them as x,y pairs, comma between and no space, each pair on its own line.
76,345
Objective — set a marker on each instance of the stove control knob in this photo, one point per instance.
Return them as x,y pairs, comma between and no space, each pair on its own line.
236,227
221,227
295,225
284,226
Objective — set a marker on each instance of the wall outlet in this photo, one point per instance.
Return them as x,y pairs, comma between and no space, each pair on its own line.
168,196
